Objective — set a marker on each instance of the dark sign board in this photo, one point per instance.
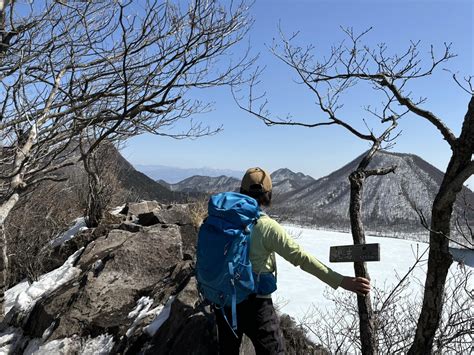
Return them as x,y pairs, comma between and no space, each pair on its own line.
354,253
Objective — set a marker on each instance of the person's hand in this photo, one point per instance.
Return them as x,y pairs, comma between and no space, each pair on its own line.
359,285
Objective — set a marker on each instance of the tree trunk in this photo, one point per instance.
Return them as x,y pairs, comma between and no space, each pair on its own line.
367,322
95,208
439,262
5,210
459,169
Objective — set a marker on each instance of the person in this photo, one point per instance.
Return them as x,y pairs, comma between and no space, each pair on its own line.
256,315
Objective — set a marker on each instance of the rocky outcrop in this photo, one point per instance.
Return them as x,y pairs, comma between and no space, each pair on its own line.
139,258
132,291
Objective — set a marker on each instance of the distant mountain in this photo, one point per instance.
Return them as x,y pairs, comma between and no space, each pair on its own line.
284,181
174,175
164,183
206,184
140,185
387,202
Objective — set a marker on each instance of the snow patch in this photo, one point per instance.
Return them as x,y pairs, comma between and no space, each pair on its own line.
60,347
299,292
117,210
101,345
24,297
47,333
142,310
7,336
139,312
12,293
10,339
163,314
79,226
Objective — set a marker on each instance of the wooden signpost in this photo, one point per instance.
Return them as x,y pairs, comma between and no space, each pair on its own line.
354,253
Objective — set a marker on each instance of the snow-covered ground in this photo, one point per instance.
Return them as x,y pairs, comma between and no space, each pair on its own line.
298,292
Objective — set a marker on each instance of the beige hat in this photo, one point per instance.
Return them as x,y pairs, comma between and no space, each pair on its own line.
256,179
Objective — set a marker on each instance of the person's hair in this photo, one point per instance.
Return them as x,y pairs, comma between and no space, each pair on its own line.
263,198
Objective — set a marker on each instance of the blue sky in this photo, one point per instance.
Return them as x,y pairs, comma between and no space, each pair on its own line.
246,141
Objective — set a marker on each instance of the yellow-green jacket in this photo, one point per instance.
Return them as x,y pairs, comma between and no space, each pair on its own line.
268,237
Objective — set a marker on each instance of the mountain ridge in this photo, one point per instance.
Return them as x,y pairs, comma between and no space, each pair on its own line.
284,180
387,200
173,175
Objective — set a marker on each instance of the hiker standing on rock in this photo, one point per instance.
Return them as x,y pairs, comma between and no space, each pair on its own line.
255,315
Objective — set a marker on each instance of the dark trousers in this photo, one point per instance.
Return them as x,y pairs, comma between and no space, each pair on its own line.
256,318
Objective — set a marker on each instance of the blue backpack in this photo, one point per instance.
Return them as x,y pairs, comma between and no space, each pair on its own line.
223,268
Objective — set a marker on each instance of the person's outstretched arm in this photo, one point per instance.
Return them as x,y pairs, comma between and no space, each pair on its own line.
277,239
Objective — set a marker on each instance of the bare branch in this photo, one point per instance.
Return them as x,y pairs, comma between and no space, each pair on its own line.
381,171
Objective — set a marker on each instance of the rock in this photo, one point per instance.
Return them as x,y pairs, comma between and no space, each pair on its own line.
110,219
178,279
189,236
102,247
148,219
130,227
190,329
171,214
246,347
137,208
132,265
60,254
178,214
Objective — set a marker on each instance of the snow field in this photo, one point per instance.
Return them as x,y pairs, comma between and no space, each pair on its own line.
299,292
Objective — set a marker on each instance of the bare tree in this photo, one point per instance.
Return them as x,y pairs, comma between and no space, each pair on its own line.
348,65
101,172
119,67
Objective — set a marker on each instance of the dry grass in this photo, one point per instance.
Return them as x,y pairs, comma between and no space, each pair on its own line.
198,211
34,222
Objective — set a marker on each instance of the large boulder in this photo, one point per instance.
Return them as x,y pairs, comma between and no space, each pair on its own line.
134,209
178,214
118,269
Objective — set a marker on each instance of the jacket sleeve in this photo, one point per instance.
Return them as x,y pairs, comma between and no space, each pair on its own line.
277,239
